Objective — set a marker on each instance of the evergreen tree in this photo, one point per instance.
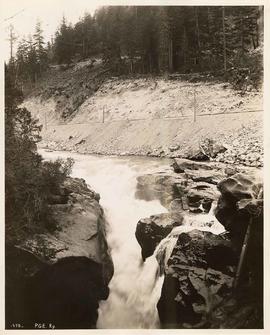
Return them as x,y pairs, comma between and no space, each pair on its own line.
64,43
39,45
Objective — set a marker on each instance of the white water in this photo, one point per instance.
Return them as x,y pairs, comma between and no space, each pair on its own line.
136,286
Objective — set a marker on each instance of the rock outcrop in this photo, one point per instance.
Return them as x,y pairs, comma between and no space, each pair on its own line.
193,184
150,231
160,186
59,277
198,276
241,199
181,165
205,283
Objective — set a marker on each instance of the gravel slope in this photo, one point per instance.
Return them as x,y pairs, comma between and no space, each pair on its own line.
147,116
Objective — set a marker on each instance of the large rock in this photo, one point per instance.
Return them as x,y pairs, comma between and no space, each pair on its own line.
208,148
241,206
202,195
150,231
241,200
180,165
196,154
60,276
160,186
211,176
194,189
198,276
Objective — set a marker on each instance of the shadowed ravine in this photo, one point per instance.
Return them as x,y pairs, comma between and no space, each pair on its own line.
136,286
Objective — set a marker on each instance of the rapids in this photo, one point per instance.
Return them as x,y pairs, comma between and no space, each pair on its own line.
136,286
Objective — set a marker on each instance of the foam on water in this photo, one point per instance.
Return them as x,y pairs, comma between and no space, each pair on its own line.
136,286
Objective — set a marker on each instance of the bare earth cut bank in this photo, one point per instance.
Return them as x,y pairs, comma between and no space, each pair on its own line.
84,110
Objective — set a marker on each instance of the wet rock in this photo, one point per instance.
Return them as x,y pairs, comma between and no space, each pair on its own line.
202,195
176,205
198,276
196,155
240,200
161,186
240,210
211,177
150,231
180,165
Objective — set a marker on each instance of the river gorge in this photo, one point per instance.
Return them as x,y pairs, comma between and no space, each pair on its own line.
127,196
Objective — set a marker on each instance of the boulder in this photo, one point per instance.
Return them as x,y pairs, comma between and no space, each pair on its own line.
240,210
202,195
198,276
240,200
180,165
160,186
150,231
207,176
196,155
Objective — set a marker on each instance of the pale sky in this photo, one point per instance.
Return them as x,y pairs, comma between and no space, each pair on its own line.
49,12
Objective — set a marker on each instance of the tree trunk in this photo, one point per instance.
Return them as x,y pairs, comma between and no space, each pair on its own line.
184,48
210,42
224,39
242,39
198,35
170,55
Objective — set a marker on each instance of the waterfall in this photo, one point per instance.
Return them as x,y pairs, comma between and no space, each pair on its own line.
136,286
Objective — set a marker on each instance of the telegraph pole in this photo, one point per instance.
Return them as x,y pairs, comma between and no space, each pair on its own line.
12,38
194,106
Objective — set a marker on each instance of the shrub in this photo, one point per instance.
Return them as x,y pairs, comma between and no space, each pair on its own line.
55,173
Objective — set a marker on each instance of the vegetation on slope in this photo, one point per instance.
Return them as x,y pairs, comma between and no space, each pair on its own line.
29,182
226,40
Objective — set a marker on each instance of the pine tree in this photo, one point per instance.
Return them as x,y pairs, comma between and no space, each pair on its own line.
39,45
64,43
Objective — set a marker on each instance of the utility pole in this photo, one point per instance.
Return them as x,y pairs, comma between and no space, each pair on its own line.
103,114
12,38
45,119
194,106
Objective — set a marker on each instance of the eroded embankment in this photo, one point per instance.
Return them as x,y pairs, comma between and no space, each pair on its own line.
150,116
58,278
241,137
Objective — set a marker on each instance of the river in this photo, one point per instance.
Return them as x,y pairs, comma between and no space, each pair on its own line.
134,290
136,286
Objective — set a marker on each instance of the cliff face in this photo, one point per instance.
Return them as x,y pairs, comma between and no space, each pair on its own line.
59,277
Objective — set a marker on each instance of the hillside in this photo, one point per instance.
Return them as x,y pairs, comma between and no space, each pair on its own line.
145,116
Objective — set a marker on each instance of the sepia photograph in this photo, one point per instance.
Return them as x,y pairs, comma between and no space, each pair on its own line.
134,165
